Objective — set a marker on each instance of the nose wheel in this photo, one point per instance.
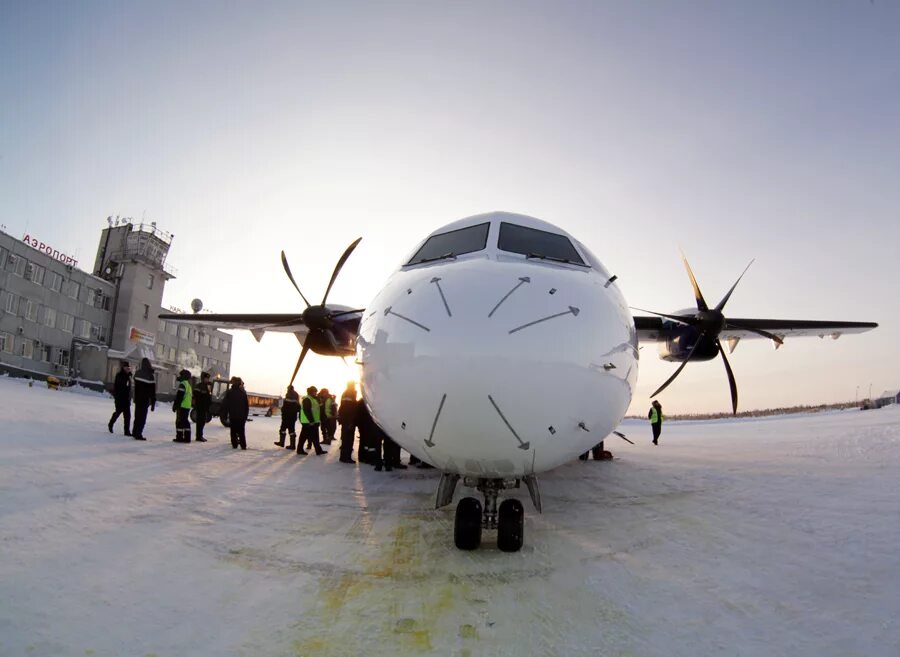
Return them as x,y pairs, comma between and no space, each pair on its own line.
472,517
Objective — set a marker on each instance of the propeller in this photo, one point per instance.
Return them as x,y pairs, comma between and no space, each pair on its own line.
319,320
709,323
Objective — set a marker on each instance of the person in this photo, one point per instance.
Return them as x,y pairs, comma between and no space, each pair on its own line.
202,401
182,408
366,451
347,417
310,415
122,397
328,411
144,397
597,452
238,409
391,454
656,420
289,410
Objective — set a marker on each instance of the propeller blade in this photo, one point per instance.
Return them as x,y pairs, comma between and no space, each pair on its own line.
728,294
287,270
299,360
765,334
622,436
331,339
345,312
698,295
731,382
678,371
684,319
337,267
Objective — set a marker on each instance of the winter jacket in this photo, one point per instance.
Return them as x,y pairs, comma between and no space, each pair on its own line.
347,410
291,406
122,387
202,397
144,388
235,403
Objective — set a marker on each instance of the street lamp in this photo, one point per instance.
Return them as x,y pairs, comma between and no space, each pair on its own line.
856,398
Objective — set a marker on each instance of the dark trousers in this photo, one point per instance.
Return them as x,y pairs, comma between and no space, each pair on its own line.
657,429
288,425
238,437
348,433
183,425
202,417
328,426
140,419
125,411
309,434
391,452
596,451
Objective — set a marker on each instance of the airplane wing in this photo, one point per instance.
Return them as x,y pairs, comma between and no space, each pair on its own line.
283,322
330,332
656,328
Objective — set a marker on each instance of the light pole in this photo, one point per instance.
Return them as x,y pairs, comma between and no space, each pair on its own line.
870,392
856,398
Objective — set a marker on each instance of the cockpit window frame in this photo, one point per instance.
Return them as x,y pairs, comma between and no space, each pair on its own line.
487,230
580,262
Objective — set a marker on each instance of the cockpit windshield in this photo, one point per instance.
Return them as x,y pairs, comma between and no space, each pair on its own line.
452,244
538,244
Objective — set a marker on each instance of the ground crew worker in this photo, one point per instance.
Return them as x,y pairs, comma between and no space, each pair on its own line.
182,408
329,411
122,396
310,416
347,418
144,397
202,401
237,408
656,420
290,407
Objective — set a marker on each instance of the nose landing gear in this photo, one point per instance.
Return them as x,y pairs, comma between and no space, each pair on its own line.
509,520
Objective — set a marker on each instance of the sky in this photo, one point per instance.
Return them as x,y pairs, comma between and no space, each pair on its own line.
733,131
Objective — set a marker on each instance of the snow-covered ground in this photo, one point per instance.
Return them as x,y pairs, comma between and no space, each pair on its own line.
775,536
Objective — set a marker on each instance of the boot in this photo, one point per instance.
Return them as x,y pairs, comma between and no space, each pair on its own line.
109,426
301,452
201,439
280,442
293,441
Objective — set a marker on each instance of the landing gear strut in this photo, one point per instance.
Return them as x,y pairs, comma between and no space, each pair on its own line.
472,517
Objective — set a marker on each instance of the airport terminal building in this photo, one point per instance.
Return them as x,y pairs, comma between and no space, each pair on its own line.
58,320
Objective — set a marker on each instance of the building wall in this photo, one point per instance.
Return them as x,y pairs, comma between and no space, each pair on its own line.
197,349
84,321
49,309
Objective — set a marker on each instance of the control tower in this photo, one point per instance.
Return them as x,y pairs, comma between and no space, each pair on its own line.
133,257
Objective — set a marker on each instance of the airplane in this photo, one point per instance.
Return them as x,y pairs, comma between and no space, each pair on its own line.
461,348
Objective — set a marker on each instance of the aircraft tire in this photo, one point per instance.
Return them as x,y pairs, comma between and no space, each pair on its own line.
193,415
467,525
510,526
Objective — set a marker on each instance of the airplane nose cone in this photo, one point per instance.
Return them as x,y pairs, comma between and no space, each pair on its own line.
497,369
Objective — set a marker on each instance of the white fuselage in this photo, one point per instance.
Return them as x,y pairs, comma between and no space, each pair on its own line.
493,364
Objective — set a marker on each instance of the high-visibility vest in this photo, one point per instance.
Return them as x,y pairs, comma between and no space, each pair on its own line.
188,393
655,416
314,404
329,408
